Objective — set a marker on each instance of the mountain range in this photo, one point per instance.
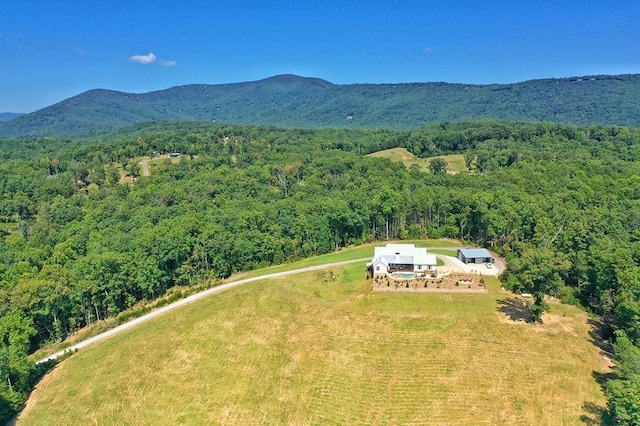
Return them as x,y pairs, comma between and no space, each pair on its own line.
294,101
7,116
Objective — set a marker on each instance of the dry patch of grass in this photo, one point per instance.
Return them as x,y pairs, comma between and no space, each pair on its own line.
455,162
303,351
394,154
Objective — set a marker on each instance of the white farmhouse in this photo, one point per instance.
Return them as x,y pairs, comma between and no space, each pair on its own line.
401,257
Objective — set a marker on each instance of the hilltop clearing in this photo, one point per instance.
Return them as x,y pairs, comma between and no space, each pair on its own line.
455,162
306,350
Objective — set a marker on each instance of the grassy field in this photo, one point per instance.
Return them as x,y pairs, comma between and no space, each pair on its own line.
351,253
455,163
300,350
450,253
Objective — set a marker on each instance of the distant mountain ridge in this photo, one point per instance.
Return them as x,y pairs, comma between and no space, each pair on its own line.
293,101
7,116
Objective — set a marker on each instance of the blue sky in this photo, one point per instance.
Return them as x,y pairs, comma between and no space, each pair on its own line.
51,50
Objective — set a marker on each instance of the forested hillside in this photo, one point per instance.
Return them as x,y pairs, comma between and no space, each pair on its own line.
299,102
81,243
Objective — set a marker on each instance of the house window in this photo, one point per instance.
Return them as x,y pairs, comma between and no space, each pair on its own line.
378,268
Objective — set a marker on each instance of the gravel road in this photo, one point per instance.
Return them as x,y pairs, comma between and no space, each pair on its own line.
451,263
188,300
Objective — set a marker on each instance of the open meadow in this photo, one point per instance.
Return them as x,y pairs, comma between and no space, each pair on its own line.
455,162
309,349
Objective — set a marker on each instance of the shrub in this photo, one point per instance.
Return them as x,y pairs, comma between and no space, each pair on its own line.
568,295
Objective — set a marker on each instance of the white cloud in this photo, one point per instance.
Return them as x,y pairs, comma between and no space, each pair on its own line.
150,58
143,59
79,51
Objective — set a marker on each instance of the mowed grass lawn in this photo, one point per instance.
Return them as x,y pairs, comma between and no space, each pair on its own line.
299,350
455,162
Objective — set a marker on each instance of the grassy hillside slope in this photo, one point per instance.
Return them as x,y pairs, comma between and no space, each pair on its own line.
455,162
304,351
293,101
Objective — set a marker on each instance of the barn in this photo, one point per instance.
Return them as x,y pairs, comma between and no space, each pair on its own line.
474,255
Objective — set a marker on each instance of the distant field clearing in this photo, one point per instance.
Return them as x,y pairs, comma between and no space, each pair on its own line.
455,163
300,350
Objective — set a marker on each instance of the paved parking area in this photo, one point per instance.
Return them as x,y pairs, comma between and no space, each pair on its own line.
453,264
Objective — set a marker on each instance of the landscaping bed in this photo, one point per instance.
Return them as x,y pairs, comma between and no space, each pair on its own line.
455,282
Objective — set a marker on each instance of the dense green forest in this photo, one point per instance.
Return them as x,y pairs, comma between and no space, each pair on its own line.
79,244
300,102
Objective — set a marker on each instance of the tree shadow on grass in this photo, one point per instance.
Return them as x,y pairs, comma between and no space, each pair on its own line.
603,378
595,415
515,309
601,334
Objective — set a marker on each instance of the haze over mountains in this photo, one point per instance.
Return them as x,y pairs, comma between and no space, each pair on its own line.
293,101
6,116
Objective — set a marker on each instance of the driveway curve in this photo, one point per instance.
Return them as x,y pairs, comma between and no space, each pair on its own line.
187,300
450,263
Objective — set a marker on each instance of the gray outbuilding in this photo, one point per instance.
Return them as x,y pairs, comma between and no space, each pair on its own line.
474,255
